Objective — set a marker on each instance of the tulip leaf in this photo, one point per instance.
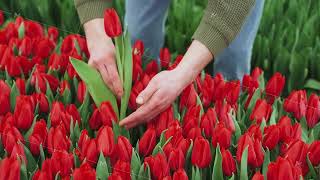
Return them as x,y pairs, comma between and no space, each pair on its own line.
312,84
30,130
95,85
8,78
49,94
32,164
266,162
263,125
76,160
102,168
311,168
84,110
237,128
200,104
232,177
23,172
196,175
57,177
316,131
244,165
304,128
217,173
42,155
157,150
21,31
274,115
135,164
66,96
13,95
144,172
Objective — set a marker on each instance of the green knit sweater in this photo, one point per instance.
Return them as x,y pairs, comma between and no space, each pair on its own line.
220,24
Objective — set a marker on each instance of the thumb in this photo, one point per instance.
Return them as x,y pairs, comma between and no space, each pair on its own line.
146,94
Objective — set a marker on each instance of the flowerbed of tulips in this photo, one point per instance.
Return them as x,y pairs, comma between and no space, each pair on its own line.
59,121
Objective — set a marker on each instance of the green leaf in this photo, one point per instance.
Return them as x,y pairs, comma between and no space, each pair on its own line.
196,175
200,104
311,169
312,84
266,162
95,85
30,130
13,95
232,177
102,168
42,155
244,165
76,160
21,31
84,110
237,128
49,94
23,172
263,125
157,149
66,96
135,164
144,174
32,164
217,173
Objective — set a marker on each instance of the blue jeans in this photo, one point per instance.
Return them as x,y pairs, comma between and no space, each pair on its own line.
146,18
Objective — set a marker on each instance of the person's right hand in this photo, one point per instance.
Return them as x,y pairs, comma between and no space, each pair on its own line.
102,55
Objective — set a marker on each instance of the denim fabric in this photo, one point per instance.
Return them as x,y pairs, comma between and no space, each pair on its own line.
146,18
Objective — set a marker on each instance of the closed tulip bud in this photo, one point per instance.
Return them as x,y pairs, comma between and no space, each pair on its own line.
112,23
206,89
72,110
257,176
62,162
84,172
9,168
219,88
180,175
313,153
176,159
23,113
249,84
165,57
256,73
124,149
44,48
296,131
255,132
188,97
95,121
232,89
90,152
4,98
191,119
57,114
194,133
107,114
115,176
285,128
147,142
228,163
137,70
38,137
174,128
42,100
9,137
158,166
21,85
53,33
208,122
201,153
296,103
105,140
163,120
167,178
223,112
152,68
42,175
262,110
57,139
313,111
255,153
123,169
81,92
64,85
222,136
283,168
138,50
297,152
271,137
274,87
135,91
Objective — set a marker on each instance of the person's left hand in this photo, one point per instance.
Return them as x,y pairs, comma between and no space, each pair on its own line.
161,91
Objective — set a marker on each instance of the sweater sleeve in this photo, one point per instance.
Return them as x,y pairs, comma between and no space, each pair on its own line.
91,9
221,22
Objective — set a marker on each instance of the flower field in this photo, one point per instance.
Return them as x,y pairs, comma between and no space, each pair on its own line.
59,121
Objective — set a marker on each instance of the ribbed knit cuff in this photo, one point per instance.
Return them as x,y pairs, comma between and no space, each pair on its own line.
210,37
89,10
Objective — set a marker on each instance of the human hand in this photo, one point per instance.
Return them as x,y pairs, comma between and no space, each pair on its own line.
102,55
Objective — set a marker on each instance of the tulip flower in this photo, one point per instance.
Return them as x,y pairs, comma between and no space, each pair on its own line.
53,33
271,137
173,129
296,103
223,110
10,136
107,114
285,128
112,23
44,48
4,98
180,174
255,132
95,121
23,113
42,100
219,88
176,159
147,142
297,153
176,62
158,165
135,91
57,139
1,18
20,83
115,176
228,163
138,50
313,153
232,89
163,120
255,153
122,169
18,152
63,86
188,97
222,136
72,110
90,152
256,73
38,137
257,176
105,140
42,175
9,168
57,114
165,57
62,162
201,153
249,84
283,168
206,89
313,111
262,110
124,149
84,172
208,122
81,92
274,87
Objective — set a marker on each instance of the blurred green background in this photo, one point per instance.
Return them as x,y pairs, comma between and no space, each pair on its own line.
288,40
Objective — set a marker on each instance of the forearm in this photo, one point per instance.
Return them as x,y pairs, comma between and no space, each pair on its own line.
91,9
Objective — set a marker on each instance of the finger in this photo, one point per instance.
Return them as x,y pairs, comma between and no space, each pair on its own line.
146,94
116,82
106,78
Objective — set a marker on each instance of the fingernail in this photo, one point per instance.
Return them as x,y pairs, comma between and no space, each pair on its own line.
139,100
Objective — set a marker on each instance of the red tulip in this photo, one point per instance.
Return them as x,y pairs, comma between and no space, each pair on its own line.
1,18
58,62
9,168
188,97
158,166
38,136
285,128
53,33
90,152
255,132
152,68
107,114
137,70
57,114
42,175
21,86
255,153
249,84
10,136
313,153
256,73
174,128
147,142
201,153
123,169
232,89
23,113
297,153
42,79
223,112
206,89
72,110
274,87
262,110
176,159
222,136
112,23
138,50
18,152
135,91
42,100
124,149
57,139
191,119
180,175
296,103
105,140
163,120
81,93
64,85
228,163
95,121
257,176
219,88
176,62
115,176
208,121
165,57
84,172
271,137
313,111
62,162
283,169
4,98
33,29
